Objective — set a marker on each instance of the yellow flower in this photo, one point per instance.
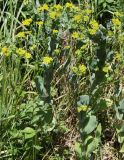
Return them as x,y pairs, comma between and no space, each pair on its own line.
23,52
39,9
26,2
21,35
28,32
106,68
82,108
27,22
118,14
39,23
47,60
52,15
45,7
69,5
58,14
82,69
77,18
88,11
121,38
86,18
5,51
94,24
20,51
75,70
67,47
78,54
85,46
92,31
27,55
118,56
116,22
94,27
57,51
58,7
32,47
110,33
75,8
55,31
75,35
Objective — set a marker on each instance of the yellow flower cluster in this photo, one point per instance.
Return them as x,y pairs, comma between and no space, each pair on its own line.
53,14
57,51
78,18
58,7
81,69
69,5
94,27
33,47
67,47
39,23
84,47
23,52
118,14
27,22
26,2
86,18
55,31
23,34
5,51
116,22
88,11
106,68
75,35
82,108
121,38
118,56
45,7
110,33
47,60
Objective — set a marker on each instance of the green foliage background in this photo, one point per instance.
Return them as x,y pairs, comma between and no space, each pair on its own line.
62,98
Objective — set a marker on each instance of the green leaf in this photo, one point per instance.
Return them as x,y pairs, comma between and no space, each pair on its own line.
29,132
118,114
37,147
121,105
78,149
92,146
101,1
98,131
87,140
40,86
16,133
90,124
120,133
120,138
122,149
102,104
109,1
83,100
104,5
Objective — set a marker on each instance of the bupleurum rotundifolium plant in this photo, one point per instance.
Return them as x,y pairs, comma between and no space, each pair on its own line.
57,56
